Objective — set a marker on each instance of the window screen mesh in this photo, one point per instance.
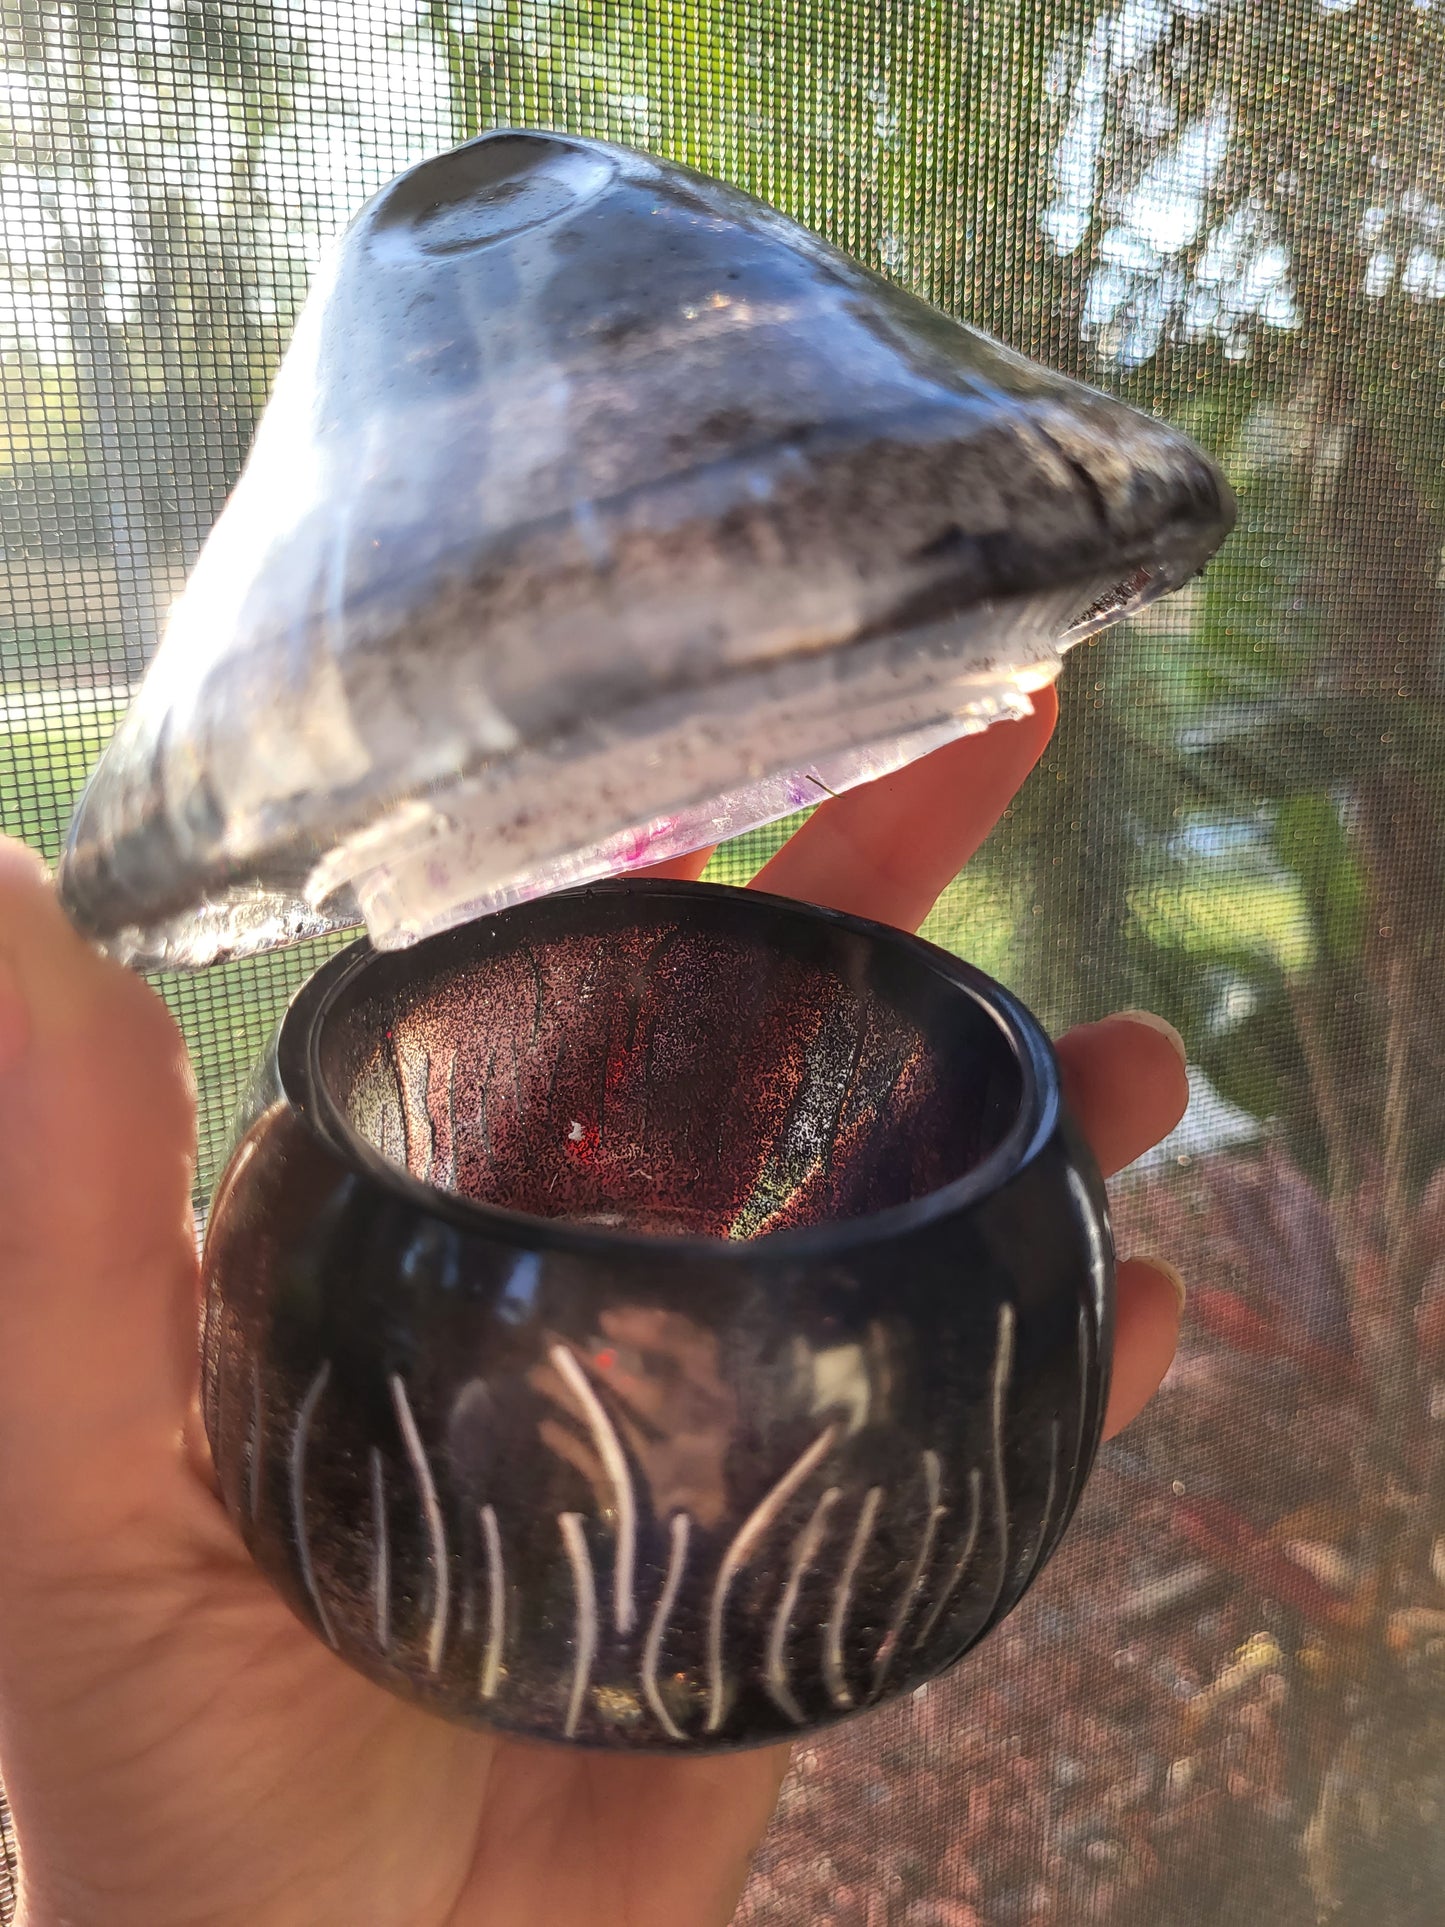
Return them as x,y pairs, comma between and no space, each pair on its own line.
1226,1699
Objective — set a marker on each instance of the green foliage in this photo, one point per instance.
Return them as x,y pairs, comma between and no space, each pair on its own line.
135,136
1305,701
862,119
1258,634
1312,842
43,768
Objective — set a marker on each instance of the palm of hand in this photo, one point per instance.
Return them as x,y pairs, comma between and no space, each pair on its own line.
177,1748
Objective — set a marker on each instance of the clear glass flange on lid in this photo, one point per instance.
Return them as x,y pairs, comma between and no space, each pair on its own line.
599,512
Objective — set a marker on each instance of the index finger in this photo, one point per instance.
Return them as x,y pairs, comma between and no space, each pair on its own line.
888,849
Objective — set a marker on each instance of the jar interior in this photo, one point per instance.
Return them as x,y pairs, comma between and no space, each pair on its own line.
675,1063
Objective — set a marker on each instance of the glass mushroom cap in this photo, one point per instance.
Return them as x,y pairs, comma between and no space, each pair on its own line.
599,512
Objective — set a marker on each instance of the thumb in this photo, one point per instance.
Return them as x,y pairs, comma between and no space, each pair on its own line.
97,1256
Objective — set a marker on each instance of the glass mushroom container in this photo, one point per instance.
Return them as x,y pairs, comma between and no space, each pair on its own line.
640,1314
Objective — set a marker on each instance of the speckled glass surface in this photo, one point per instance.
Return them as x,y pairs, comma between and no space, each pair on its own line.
1225,1701
670,1079
598,512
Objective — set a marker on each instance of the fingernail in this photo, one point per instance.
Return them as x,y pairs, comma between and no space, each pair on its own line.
1162,1025
14,1016
1170,1276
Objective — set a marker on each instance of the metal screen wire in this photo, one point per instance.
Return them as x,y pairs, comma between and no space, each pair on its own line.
1225,1701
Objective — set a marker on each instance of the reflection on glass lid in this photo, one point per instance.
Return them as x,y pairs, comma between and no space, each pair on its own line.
599,512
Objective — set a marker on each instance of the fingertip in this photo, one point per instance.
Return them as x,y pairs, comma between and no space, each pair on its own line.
1162,1061
1174,1279
1127,1084
97,1098
1045,702
20,864
62,978
1161,1026
26,898
888,848
677,869
1149,1307
1154,1045
35,936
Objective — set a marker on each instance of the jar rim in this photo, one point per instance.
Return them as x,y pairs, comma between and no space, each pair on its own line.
305,1086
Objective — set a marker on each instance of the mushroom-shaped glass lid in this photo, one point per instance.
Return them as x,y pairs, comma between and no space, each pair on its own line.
599,512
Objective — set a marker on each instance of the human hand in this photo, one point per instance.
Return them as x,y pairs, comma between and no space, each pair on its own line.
179,1751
